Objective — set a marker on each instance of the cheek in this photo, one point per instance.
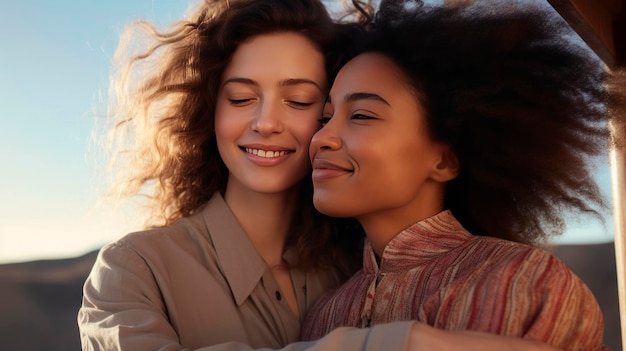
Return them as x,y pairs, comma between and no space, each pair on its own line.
220,120
389,169
221,131
230,121
304,129
226,132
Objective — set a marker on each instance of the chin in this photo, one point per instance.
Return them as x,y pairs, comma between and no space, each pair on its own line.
330,208
271,186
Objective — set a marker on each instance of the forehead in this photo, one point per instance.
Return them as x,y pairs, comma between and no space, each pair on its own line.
286,52
276,40
373,73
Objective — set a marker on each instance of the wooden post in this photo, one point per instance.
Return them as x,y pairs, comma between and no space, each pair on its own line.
602,25
617,123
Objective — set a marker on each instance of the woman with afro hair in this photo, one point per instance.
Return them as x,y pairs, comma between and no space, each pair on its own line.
459,136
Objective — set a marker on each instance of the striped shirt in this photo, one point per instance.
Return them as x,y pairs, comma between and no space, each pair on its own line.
438,273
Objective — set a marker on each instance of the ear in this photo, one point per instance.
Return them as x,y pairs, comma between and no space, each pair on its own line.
447,166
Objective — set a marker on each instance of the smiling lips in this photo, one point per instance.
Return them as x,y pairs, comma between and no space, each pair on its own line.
324,169
266,156
266,153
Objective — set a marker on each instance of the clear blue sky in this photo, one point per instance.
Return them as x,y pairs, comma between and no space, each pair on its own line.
54,62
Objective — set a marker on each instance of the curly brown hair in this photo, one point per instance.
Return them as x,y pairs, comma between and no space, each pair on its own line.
520,103
163,103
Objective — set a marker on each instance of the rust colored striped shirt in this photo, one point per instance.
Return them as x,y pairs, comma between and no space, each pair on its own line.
438,273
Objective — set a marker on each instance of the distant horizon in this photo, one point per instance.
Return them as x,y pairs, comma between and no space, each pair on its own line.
97,249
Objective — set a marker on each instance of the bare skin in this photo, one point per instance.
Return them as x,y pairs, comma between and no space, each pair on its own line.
425,337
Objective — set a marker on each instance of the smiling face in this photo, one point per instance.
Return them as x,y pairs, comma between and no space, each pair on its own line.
268,108
374,159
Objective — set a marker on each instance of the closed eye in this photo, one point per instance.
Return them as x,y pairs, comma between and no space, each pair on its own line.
360,116
299,104
240,102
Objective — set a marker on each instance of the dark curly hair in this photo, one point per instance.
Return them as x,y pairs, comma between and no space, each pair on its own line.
163,103
521,105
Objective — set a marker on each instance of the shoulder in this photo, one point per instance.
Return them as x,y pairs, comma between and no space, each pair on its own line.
159,245
511,260
505,250
176,233
550,301
528,275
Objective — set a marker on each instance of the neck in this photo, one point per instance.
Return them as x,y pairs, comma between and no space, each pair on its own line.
382,226
265,218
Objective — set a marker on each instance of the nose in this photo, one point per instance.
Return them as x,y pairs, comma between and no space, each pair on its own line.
327,137
268,119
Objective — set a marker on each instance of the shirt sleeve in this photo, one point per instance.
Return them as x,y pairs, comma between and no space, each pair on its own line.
530,294
391,336
133,316
130,316
568,316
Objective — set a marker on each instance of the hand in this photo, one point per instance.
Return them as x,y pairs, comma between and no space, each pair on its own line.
426,338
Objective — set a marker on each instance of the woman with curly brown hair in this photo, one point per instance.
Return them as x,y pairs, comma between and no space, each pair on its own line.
458,137
212,124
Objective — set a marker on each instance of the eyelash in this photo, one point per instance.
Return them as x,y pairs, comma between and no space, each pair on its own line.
296,104
357,116
236,102
361,116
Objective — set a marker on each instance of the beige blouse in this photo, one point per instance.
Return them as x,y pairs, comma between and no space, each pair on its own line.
200,284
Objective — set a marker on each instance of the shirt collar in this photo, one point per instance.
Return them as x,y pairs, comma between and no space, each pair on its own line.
418,243
241,264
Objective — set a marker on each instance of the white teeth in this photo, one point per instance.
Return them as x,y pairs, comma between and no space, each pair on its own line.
266,154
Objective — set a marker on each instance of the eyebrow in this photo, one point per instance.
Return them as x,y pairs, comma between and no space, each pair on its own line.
282,83
363,96
297,81
247,81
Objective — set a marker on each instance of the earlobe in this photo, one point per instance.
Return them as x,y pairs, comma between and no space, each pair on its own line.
447,167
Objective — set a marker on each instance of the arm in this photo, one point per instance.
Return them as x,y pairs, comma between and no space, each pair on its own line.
122,308
568,314
525,293
425,337
409,336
